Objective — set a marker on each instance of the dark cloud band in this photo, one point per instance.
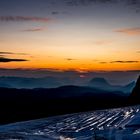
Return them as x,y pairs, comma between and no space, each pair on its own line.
6,53
124,61
70,59
23,18
4,60
87,2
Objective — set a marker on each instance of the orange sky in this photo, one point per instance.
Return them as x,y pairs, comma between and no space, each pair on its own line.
79,38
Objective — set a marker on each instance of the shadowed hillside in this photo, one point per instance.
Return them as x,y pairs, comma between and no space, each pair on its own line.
135,96
26,104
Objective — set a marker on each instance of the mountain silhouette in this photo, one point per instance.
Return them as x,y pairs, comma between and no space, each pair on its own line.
4,85
53,82
23,82
25,104
99,82
135,95
102,83
129,87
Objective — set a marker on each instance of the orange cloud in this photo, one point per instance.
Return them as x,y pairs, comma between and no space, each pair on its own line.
103,42
130,31
70,59
102,62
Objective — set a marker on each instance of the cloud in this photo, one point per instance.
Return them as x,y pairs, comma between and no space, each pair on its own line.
55,12
4,60
23,18
1,55
5,53
70,59
103,42
134,3
124,61
85,2
33,30
102,62
138,51
129,31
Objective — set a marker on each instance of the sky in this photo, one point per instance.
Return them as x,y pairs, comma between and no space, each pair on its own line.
77,35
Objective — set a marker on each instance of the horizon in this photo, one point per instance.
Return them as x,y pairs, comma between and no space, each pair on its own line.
70,35
113,77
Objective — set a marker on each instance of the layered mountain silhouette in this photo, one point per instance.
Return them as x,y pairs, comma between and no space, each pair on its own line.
25,104
135,96
99,82
53,82
4,85
22,82
102,83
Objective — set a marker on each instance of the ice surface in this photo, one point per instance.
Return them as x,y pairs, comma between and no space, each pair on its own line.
111,124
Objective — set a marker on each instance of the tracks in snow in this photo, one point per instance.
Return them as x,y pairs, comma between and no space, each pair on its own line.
74,126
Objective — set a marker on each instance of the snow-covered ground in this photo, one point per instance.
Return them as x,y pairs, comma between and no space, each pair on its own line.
112,124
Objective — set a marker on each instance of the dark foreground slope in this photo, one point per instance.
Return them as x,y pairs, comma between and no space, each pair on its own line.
26,104
135,96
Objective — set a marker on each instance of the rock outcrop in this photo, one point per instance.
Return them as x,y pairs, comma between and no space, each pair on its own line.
135,95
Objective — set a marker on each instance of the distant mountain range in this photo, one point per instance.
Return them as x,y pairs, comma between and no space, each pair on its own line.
53,82
102,83
22,82
4,85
